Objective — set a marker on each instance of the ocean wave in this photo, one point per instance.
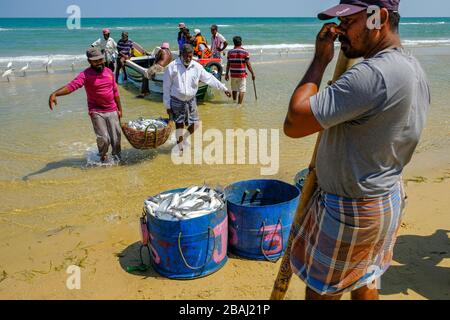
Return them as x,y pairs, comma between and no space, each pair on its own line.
295,46
426,42
424,23
41,59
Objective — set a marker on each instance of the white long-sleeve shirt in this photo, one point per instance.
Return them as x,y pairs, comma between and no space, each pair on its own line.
182,83
110,47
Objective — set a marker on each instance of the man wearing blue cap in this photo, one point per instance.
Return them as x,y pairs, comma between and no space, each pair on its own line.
372,119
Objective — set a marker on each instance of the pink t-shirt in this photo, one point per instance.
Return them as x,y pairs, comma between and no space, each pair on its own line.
101,89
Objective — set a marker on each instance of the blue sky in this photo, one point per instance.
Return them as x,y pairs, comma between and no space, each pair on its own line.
199,8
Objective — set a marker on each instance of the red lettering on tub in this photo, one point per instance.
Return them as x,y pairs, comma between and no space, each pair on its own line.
221,231
155,255
233,233
272,237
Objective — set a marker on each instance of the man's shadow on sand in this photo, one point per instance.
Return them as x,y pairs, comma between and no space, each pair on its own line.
419,257
130,157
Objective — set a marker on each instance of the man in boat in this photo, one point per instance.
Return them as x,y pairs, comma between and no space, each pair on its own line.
200,45
162,60
108,47
181,82
218,42
124,47
372,117
105,108
238,63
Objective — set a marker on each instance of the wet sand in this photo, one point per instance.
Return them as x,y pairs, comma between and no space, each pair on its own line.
54,212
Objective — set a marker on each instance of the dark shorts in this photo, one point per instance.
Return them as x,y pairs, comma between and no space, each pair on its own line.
184,112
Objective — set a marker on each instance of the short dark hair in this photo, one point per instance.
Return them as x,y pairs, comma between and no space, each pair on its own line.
394,20
215,27
237,41
187,48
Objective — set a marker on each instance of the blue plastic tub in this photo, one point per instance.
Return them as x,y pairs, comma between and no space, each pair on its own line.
260,221
189,249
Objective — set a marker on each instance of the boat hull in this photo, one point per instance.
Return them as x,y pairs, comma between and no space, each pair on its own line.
136,67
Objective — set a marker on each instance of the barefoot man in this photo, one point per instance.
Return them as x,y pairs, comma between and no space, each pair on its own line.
181,82
372,118
162,59
103,100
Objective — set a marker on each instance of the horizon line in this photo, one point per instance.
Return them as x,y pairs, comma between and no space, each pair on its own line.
192,17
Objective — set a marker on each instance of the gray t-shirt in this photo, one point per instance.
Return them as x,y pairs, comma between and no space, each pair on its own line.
373,118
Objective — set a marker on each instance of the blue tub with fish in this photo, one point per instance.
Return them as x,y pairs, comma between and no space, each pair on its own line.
188,249
260,215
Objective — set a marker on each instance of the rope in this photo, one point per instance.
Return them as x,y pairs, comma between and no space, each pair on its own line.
210,256
262,242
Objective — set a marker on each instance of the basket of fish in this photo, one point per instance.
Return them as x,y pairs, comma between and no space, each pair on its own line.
187,232
147,133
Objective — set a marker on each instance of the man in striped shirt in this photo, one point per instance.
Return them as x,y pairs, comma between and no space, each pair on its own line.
124,47
238,63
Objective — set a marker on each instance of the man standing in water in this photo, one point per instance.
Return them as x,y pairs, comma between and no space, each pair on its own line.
162,59
372,118
181,81
105,108
218,42
108,47
238,63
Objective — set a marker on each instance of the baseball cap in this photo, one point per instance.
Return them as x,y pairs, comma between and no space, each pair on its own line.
197,31
349,7
94,54
106,31
165,45
181,25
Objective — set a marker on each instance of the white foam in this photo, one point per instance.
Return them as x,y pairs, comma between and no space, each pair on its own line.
42,59
296,46
93,159
426,42
423,23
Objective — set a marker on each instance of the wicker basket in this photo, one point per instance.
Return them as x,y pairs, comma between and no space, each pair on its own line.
150,139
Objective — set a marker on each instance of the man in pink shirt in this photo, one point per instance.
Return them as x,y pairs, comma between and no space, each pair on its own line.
103,101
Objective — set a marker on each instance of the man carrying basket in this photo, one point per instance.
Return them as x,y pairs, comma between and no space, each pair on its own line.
105,108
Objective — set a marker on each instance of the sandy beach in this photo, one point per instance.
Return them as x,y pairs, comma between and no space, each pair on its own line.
34,260
56,212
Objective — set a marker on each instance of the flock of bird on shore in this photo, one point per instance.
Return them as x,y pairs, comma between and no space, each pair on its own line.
10,71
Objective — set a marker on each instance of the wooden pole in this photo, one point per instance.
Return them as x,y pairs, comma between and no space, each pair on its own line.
285,274
254,87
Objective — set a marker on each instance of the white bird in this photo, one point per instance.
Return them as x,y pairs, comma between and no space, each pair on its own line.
9,65
24,69
7,73
48,63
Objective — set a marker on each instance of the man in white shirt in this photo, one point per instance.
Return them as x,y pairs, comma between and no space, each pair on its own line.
218,42
108,47
181,82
